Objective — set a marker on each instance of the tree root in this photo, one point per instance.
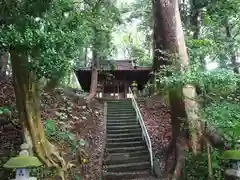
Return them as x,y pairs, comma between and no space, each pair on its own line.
215,139
178,148
180,159
54,159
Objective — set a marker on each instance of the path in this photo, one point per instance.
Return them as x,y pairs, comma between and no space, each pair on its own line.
126,154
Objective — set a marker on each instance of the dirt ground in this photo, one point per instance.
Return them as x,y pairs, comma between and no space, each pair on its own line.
157,119
69,115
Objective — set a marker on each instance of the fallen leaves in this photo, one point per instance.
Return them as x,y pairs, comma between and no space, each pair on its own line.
158,122
157,119
86,123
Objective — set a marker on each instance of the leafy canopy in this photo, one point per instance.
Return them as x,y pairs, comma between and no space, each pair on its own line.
52,32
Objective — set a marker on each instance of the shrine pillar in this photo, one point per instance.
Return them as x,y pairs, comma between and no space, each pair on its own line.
125,89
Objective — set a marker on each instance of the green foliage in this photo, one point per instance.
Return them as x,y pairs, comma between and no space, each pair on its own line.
138,53
231,155
196,167
222,112
54,132
219,81
63,138
225,117
4,110
52,32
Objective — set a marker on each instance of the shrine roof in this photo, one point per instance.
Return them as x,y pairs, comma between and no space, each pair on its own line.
118,65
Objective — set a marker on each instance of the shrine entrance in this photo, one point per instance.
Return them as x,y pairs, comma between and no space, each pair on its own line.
113,89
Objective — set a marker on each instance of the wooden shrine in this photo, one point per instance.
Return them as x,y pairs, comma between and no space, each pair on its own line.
115,77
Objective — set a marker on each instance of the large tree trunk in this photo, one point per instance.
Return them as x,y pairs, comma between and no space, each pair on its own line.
28,105
233,57
4,63
95,66
159,58
173,40
94,83
158,48
194,18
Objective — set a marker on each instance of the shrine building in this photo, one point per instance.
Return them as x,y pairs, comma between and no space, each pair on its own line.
115,77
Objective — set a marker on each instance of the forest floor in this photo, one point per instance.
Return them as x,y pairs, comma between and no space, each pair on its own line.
69,125
156,116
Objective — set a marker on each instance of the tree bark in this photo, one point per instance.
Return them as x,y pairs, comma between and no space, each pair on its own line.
3,63
28,105
95,66
233,57
194,19
173,40
94,83
94,77
158,48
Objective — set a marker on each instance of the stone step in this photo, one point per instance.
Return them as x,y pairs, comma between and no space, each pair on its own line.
133,114
128,167
125,135
122,120
124,175
125,139
120,106
120,117
126,149
116,111
117,108
120,101
123,159
122,123
123,127
144,152
123,131
109,105
123,106
113,109
124,144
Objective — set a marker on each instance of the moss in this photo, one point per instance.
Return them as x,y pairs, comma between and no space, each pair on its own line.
22,162
231,155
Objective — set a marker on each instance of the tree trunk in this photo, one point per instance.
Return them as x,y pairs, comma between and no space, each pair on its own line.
233,57
173,40
158,48
189,91
28,105
94,83
191,107
85,56
95,65
194,15
4,63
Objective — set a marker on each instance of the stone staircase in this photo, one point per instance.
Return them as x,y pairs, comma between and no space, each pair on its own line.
126,153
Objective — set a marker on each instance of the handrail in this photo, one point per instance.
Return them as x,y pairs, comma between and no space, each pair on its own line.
143,127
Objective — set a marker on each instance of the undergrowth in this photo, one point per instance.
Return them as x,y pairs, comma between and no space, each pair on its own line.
64,139
196,167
